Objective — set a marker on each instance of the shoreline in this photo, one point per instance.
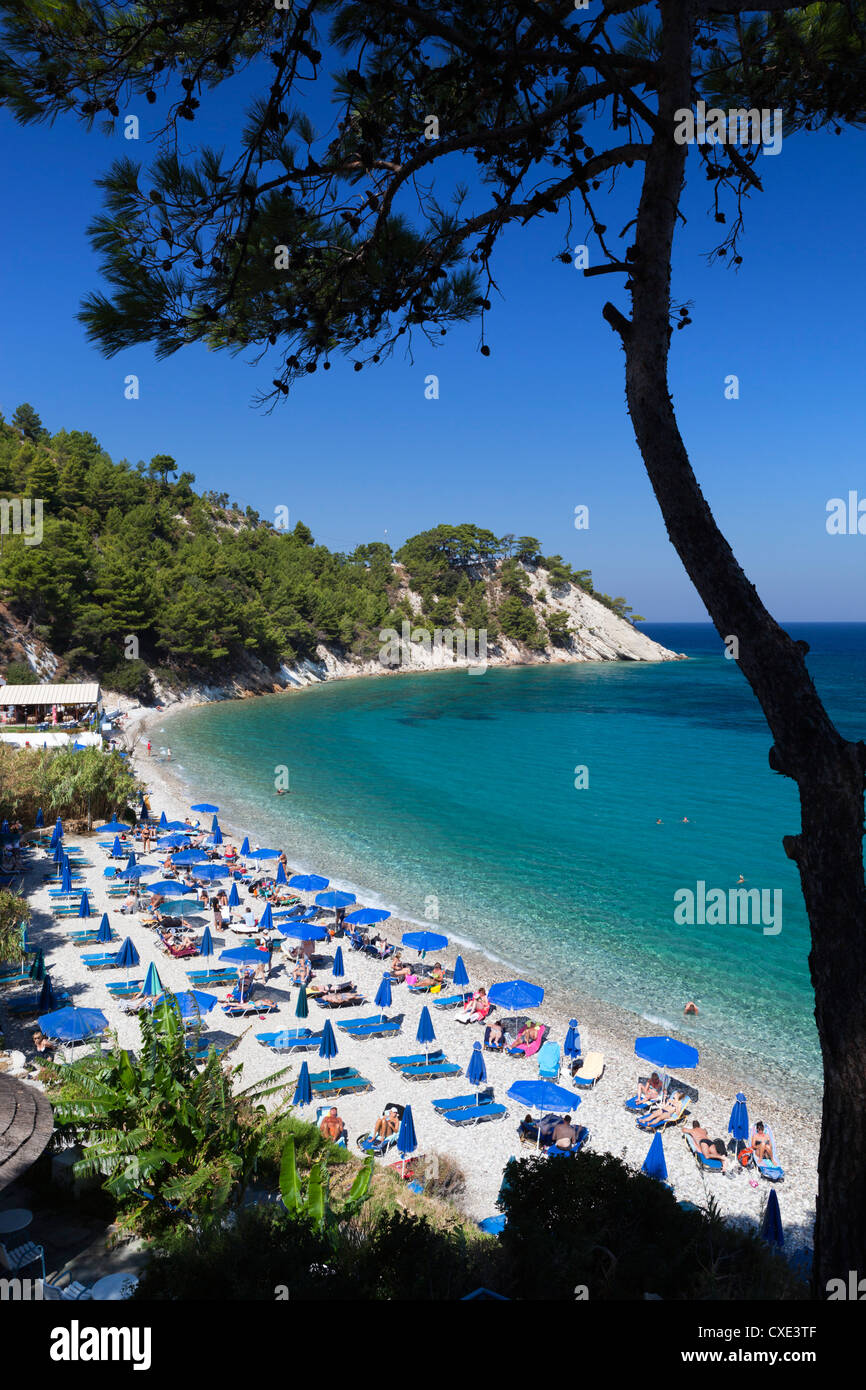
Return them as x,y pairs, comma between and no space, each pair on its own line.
610,1029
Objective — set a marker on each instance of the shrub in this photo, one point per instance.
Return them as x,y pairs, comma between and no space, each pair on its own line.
130,678
21,673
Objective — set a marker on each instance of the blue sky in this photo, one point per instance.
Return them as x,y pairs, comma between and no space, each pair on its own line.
517,440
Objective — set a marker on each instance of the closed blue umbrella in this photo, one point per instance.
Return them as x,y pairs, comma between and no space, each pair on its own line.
281,875
383,993
425,1034
57,832
654,1164
308,883
328,1046
127,956
461,974
131,861
541,1096
216,835
367,916
266,921
245,847
301,1006
337,969
476,1072
571,1046
117,848
206,947
152,983
37,967
59,853
738,1124
205,808
66,877
234,896
515,995
771,1226
163,820
84,905
40,818
73,1024
304,1089
424,941
104,932
407,1141
47,997
214,825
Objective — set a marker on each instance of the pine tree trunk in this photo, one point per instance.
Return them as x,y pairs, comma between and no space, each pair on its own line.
829,770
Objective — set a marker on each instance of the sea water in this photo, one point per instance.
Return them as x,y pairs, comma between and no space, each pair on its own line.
519,810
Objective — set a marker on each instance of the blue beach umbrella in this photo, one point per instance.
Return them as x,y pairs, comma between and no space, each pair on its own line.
136,872
266,921
771,1226
304,1089
245,847
425,1034
216,836
234,896
654,1164
173,841
66,877
47,997
211,872
476,1072
383,993
117,848
303,931
175,827
337,970
131,861
212,841
59,853
104,932
163,820
461,974
301,1007
214,825
190,856
73,1024
181,907
571,1046
328,1046
205,808
127,956
192,1003
407,1141
738,1124
308,883
281,875
40,818
542,1096
37,967
84,905
667,1053
112,827
244,955
424,941
335,898
169,885
206,947
152,983
57,832
366,916
515,995
263,854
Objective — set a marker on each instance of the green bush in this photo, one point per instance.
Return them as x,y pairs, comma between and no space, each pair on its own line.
21,673
130,678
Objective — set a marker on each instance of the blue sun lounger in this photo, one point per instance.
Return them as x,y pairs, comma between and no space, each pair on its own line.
443,1068
218,976
452,1001
475,1114
379,1026
88,938
707,1165
342,1081
554,1151
101,961
416,1059
464,1102
291,1040
121,989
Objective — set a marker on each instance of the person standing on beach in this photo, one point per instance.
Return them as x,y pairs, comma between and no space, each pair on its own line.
148,747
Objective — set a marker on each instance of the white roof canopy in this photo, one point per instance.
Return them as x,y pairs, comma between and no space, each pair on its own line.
50,694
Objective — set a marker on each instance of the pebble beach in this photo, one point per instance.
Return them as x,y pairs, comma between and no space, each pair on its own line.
481,1151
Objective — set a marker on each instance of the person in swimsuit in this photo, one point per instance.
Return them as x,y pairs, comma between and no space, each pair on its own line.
710,1148
650,1090
762,1144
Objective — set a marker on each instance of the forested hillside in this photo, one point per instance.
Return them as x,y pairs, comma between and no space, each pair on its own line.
134,551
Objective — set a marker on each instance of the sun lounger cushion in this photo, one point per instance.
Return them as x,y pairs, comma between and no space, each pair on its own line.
475,1114
590,1071
417,1059
436,1069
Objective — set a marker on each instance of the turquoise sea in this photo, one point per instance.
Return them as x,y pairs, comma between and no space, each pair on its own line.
454,795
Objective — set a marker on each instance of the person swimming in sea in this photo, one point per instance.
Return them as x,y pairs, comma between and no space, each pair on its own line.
691,1008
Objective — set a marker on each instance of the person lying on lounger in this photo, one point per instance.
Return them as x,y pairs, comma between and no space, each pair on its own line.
526,1037
650,1090
710,1148
302,973
665,1110
495,1035
477,1008
332,1127
387,1125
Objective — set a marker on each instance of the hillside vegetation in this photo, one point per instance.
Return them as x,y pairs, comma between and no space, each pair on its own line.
134,551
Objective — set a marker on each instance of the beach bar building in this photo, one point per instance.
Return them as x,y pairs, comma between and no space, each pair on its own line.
51,714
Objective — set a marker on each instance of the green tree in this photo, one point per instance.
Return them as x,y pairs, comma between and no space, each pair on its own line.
14,913
28,422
